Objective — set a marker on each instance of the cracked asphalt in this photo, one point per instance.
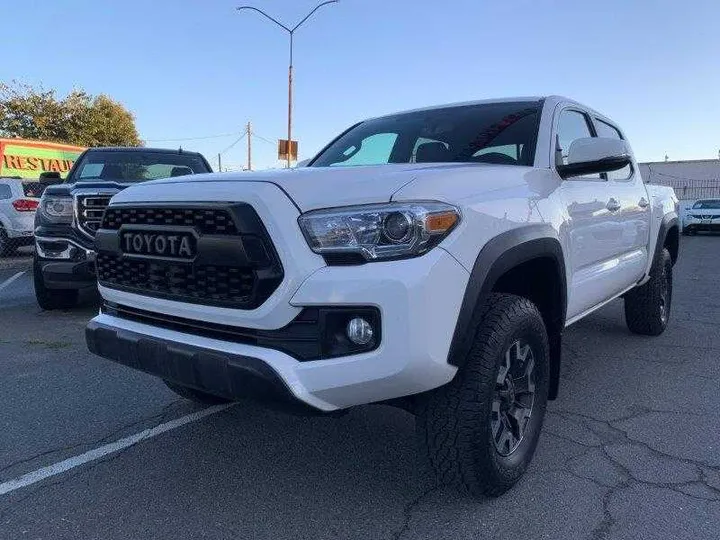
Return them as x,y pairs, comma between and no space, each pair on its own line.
630,450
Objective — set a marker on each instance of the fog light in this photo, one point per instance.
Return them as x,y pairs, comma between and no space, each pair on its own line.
359,331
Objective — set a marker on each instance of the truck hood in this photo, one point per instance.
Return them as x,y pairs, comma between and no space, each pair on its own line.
322,187
71,189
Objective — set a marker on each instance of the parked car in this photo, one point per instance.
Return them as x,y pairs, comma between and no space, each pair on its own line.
704,215
18,201
429,259
70,213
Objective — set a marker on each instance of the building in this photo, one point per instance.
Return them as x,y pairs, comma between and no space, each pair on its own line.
692,180
27,159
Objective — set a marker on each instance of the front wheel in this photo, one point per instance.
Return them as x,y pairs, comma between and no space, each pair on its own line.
480,430
647,308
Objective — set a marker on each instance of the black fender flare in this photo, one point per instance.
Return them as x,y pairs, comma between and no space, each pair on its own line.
669,221
502,253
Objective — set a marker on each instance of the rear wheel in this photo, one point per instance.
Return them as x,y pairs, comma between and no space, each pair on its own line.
195,395
50,299
480,430
647,308
7,247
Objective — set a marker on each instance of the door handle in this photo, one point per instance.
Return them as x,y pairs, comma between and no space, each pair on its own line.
613,205
643,203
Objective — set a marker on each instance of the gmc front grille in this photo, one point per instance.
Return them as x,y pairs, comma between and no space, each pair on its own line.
233,265
89,211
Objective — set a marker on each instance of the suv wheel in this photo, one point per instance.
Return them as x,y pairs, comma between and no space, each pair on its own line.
647,308
197,396
6,246
480,430
49,299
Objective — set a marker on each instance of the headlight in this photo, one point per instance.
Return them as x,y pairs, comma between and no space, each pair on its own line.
57,209
379,231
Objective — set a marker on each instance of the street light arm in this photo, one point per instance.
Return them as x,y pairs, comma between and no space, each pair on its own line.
261,12
311,13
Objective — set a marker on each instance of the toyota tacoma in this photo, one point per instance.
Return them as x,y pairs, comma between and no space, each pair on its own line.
70,213
429,259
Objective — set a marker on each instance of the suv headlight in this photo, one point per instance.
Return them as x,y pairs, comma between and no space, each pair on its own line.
379,231
57,209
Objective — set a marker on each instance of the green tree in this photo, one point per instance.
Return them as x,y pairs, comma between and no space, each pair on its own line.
78,118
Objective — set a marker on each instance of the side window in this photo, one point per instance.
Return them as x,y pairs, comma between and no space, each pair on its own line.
373,150
5,192
606,130
572,125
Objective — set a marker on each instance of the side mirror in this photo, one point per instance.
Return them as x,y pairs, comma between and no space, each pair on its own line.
592,155
50,178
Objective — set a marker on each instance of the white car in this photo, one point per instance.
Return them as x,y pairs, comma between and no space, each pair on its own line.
429,260
18,201
704,215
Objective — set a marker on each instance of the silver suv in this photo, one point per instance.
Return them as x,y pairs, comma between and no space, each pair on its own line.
18,201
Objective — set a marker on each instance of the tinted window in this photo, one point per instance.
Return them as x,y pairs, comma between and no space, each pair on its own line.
5,192
33,189
135,166
572,125
707,205
469,133
606,130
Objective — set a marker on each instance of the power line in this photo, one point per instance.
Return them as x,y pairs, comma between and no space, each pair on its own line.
234,143
264,139
205,137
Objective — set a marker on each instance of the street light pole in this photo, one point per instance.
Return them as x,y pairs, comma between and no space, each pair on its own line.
291,32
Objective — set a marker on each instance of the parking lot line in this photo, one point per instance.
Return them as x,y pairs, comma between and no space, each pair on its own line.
9,280
102,451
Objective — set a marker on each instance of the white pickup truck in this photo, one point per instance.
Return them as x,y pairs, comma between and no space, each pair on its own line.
429,259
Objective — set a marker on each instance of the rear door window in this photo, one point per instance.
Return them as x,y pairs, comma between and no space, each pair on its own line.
5,192
606,130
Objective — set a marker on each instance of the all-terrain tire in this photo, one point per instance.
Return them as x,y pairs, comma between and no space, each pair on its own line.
647,308
195,395
50,299
455,422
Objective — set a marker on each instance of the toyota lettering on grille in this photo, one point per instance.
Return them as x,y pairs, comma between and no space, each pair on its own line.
154,244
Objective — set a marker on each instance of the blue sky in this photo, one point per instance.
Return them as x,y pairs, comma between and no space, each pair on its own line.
192,68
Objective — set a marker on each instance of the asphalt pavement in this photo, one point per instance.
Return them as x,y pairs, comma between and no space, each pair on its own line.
630,450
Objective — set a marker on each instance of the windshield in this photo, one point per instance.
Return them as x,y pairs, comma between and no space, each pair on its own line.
134,166
500,133
706,205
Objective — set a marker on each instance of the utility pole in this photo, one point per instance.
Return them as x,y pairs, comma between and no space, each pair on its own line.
291,32
249,139
219,163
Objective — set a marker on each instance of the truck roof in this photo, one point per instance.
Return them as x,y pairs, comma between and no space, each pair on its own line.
552,99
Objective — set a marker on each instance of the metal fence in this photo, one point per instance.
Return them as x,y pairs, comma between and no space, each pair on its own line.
692,190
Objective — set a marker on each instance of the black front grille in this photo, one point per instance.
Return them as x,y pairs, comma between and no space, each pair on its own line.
183,282
235,266
205,220
90,209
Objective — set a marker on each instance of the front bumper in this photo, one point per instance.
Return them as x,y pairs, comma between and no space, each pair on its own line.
418,300
226,374
697,225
